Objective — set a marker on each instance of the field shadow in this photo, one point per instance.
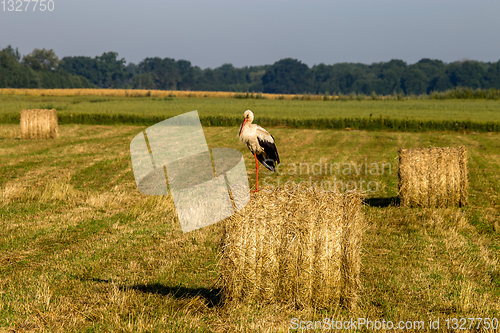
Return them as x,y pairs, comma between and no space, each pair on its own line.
382,202
213,297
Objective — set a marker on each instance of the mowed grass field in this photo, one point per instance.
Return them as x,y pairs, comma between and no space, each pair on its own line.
82,250
480,110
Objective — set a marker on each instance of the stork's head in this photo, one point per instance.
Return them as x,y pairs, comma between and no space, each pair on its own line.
248,116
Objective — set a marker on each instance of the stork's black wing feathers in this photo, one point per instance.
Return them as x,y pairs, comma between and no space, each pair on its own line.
269,158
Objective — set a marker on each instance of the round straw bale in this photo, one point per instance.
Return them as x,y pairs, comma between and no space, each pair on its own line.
299,248
39,124
433,177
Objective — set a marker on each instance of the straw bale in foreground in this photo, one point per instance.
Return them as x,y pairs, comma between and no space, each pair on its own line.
39,124
295,248
433,177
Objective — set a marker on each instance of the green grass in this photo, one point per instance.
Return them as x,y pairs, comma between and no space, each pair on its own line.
82,250
407,115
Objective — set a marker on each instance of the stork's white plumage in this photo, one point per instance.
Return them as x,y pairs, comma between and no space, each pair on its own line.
260,143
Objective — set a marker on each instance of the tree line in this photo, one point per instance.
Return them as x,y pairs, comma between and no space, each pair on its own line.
43,69
39,69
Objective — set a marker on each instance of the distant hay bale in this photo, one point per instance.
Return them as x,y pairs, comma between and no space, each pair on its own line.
39,124
433,177
294,248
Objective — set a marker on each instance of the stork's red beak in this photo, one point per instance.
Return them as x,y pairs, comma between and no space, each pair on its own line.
241,129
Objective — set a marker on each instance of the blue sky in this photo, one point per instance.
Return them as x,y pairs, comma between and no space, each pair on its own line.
211,33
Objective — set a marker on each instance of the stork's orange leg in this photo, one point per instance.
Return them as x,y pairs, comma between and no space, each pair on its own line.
257,164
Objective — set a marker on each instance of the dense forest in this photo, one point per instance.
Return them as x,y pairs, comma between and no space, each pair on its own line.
39,69
43,69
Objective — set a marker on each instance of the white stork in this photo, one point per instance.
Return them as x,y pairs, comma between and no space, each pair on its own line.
260,143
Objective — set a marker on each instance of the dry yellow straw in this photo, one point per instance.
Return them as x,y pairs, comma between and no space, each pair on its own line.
294,247
39,124
433,177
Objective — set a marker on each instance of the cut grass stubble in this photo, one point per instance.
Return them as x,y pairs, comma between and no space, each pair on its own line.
82,250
